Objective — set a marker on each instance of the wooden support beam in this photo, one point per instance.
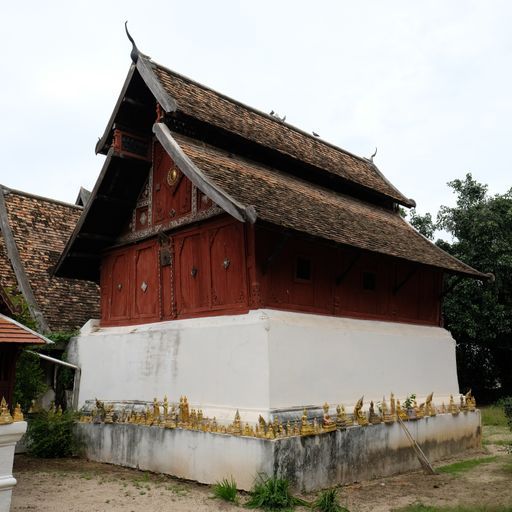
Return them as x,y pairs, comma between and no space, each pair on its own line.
96,237
115,200
134,103
84,255
347,270
18,268
404,281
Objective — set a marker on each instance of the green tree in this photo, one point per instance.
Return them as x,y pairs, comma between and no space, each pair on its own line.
479,314
423,223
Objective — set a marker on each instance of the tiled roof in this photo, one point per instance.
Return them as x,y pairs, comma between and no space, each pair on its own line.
41,228
206,105
13,332
292,203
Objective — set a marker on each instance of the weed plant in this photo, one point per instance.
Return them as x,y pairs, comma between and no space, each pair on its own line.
272,493
327,501
226,490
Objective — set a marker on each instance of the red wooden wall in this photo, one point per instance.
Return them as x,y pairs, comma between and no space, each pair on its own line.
344,282
206,274
224,267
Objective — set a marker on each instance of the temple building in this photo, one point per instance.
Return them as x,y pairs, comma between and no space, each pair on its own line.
249,265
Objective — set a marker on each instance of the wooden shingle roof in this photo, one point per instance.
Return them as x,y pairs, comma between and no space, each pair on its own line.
209,106
40,227
292,203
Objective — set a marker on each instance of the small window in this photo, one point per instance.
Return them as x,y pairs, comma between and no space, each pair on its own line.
369,281
303,269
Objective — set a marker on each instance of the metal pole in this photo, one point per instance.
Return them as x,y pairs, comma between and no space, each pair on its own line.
76,381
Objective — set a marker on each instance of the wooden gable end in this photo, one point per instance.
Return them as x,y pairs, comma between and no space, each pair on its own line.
167,200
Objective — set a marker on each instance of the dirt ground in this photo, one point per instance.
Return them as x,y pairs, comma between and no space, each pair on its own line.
76,485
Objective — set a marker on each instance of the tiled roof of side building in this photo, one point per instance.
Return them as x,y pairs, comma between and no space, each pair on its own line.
13,332
209,106
41,228
292,203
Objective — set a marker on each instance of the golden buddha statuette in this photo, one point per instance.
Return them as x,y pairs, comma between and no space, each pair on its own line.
18,414
341,417
5,415
452,408
386,416
156,409
306,428
400,412
359,416
470,401
275,426
328,425
109,413
374,418
236,427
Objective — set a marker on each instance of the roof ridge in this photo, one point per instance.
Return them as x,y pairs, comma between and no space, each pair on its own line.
8,190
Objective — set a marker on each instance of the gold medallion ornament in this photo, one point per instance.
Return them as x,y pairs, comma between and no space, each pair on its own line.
172,176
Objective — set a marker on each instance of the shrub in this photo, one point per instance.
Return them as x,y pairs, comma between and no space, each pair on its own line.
225,490
506,404
51,435
272,493
30,381
327,501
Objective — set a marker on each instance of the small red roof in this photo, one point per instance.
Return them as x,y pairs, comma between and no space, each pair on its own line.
13,332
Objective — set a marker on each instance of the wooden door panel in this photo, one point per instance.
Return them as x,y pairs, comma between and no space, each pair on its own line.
192,273
146,282
227,264
120,286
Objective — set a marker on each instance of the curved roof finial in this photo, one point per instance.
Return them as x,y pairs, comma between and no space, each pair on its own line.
134,54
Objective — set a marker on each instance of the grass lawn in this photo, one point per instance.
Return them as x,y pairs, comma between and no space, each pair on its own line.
492,415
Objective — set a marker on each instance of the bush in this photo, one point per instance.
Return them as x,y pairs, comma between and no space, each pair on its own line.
225,490
272,493
506,404
30,381
51,435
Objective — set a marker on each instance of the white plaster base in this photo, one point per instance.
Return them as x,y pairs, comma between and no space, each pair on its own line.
264,362
9,435
310,463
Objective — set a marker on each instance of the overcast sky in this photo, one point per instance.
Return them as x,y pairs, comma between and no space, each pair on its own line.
428,83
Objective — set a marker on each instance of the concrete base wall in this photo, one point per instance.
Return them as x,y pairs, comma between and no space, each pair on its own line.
309,462
264,362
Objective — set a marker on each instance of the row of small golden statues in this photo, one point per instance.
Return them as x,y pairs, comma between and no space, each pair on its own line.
166,415
5,416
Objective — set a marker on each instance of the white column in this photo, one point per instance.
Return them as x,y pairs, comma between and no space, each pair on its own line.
9,435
